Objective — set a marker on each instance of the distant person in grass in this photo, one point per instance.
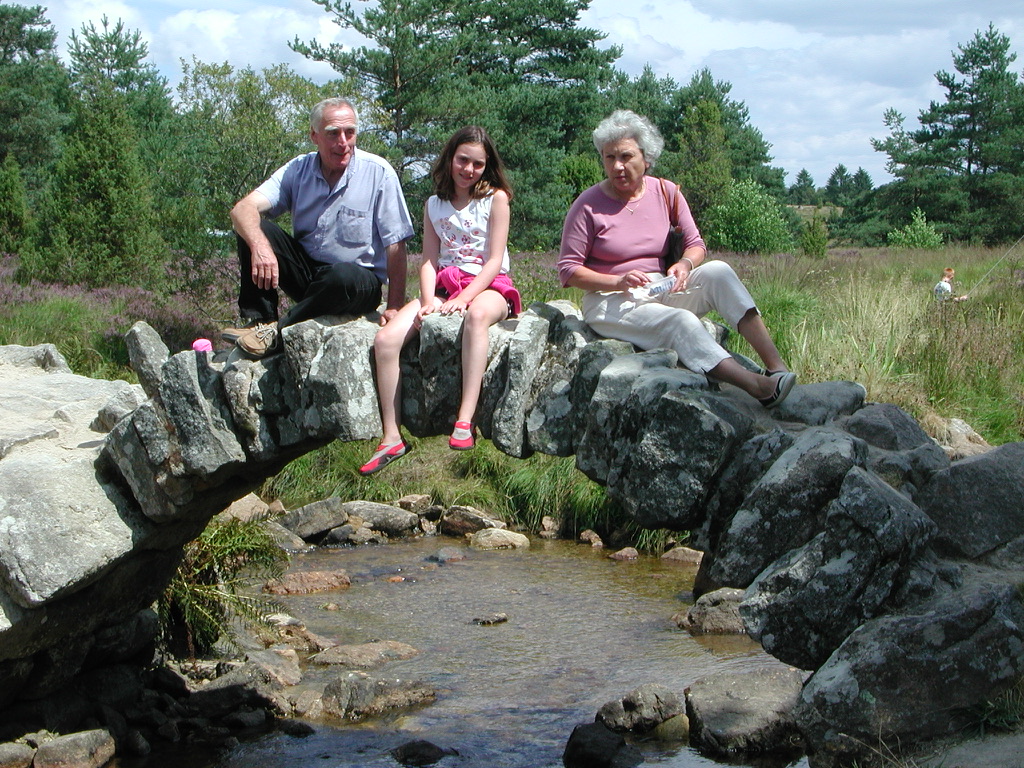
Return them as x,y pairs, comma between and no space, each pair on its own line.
464,272
349,222
615,238
944,289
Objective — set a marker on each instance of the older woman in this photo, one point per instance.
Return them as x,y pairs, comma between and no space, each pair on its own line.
613,244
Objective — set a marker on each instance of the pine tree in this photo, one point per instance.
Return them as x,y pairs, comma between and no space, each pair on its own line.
706,171
837,188
14,215
803,191
101,224
34,95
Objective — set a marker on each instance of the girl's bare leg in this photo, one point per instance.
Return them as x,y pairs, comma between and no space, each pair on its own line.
487,309
387,347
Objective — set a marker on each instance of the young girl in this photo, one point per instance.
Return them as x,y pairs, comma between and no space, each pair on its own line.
465,271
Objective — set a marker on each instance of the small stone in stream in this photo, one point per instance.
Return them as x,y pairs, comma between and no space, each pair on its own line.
494,618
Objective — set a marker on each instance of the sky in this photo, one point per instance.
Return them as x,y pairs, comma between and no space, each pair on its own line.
816,75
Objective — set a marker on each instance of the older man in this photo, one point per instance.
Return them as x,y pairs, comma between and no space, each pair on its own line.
350,224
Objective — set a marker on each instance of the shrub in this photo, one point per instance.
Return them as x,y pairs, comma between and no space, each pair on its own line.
208,589
917,234
749,220
814,238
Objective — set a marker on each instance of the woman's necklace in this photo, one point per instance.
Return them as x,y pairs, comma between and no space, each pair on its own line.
643,191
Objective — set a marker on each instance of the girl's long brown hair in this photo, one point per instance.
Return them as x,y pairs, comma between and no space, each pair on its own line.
493,176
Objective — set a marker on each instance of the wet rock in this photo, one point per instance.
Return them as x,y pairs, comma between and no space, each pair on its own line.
249,686
748,712
459,520
366,655
491,620
355,533
448,555
641,710
301,639
14,755
590,537
498,538
714,613
549,527
592,745
417,503
392,521
356,695
626,553
87,749
312,521
307,582
247,719
683,556
296,728
420,753
674,729
280,663
284,538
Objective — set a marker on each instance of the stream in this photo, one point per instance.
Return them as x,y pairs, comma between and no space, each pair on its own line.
582,630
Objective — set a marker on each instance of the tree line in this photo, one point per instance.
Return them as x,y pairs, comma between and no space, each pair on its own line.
108,177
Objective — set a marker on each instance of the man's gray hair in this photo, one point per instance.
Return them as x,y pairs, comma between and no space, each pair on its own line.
316,115
626,124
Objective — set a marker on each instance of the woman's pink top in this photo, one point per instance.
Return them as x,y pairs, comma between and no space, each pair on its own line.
603,234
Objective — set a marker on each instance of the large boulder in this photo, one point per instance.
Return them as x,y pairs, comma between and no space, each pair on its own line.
914,676
976,502
747,712
805,604
786,507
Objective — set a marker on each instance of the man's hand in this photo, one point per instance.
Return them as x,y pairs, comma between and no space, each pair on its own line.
387,316
265,271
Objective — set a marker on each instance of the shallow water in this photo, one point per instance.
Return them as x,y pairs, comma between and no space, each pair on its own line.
582,630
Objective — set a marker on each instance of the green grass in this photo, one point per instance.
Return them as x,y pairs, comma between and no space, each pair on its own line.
74,326
869,316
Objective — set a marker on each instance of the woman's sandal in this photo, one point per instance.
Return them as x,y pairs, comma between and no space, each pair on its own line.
462,437
784,381
383,456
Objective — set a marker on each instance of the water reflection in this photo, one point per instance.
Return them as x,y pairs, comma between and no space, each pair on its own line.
582,630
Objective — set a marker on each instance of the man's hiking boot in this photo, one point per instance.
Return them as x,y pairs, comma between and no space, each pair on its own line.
262,340
233,334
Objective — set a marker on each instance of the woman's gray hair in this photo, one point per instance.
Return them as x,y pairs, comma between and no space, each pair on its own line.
316,115
626,124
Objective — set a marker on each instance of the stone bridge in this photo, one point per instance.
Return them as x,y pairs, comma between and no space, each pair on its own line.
851,531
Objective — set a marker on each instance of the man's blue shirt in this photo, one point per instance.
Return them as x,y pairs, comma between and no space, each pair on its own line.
354,222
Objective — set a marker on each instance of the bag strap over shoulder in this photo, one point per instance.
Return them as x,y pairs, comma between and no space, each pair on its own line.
671,202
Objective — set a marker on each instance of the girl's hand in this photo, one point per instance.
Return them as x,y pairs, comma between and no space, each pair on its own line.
681,272
422,312
452,306
632,279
